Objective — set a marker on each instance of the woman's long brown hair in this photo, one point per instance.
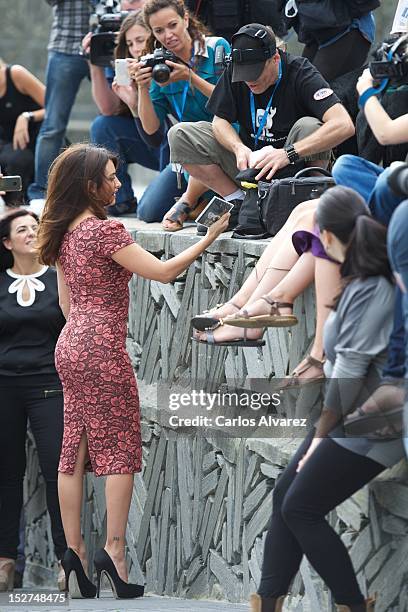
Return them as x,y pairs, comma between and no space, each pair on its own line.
134,18
196,28
72,176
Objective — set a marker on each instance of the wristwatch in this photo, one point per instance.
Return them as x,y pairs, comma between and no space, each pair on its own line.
293,155
29,116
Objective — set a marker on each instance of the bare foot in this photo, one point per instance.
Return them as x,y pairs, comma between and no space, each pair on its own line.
119,562
227,333
259,307
224,311
83,558
310,368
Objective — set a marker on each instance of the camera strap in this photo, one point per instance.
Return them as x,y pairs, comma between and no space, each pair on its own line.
374,91
180,109
264,118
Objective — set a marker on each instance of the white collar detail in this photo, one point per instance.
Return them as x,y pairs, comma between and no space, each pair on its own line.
30,281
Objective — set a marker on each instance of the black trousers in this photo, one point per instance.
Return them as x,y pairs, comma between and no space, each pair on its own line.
298,526
20,162
344,55
21,398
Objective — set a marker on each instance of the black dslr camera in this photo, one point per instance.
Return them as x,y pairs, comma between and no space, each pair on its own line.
105,22
391,61
160,70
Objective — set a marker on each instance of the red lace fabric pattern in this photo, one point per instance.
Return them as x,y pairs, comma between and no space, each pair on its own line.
100,391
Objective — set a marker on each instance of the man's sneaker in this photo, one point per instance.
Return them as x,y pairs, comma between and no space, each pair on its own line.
233,222
122,209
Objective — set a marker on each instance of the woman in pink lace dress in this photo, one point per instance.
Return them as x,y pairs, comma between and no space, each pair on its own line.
95,258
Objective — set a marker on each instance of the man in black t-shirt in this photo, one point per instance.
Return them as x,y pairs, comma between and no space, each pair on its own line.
285,112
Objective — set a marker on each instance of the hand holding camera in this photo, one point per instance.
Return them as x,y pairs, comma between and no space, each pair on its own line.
162,64
365,81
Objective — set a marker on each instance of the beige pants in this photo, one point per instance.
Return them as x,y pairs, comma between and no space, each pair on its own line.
195,144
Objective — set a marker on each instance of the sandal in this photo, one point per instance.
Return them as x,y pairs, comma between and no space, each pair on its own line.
238,342
274,319
294,379
180,212
385,417
205,321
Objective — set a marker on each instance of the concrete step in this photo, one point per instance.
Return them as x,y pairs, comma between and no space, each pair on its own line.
106,603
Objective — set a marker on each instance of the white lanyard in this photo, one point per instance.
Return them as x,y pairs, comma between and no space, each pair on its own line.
291,9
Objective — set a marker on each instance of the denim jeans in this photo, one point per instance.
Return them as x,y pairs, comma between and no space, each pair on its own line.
121,136
63,78
398,254
370,181
160,196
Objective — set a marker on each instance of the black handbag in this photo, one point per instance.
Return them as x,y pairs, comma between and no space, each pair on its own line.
277,198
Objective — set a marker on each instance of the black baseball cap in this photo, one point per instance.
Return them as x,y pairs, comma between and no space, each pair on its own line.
252,46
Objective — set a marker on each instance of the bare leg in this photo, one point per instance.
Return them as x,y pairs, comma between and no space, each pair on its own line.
213,177
327,280
292,285
70,498
118,492
194,191
278,257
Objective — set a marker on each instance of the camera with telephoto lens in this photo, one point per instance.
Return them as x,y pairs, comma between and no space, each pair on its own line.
105,22
157,61
391,61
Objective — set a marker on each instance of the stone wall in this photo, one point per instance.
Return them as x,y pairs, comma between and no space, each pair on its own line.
201,504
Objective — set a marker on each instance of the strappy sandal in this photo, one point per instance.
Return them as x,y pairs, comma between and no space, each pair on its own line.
244,342
180,212
274,319
294,380
205,321
385,421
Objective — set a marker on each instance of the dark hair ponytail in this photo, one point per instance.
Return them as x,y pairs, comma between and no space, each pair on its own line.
343,212
366,253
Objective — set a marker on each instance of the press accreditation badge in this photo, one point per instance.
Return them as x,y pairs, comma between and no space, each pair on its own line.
322,94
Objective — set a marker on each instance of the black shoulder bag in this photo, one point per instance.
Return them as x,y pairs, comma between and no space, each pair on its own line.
277,198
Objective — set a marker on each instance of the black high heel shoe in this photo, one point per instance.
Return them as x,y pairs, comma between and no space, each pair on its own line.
121,589
77,583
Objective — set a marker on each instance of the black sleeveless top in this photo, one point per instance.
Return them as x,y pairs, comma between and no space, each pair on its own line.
12,104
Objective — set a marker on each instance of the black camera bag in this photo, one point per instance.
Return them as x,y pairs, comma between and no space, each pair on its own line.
277,198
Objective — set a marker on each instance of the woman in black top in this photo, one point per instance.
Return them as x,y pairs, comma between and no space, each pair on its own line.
22,98
30,323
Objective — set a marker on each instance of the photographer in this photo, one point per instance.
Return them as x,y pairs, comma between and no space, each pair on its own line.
191,79
286,112
337,35
115,128
65,70
372,182
22,98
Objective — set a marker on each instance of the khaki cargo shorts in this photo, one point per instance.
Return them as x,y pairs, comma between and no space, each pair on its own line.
194,143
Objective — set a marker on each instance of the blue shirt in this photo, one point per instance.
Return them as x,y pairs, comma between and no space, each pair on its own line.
366,25
194,109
